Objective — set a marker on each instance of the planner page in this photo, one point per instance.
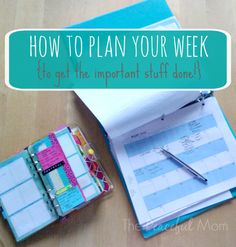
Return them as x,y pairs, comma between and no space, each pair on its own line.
122,110
23,199
158,187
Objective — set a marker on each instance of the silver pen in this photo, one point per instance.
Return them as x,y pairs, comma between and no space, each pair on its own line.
190,169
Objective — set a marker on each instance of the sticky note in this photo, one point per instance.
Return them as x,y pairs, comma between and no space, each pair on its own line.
50,157
54,155
70,199
62,190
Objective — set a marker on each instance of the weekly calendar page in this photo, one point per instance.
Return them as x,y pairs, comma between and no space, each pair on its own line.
158,187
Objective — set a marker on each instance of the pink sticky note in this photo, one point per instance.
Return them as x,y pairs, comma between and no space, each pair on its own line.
53,155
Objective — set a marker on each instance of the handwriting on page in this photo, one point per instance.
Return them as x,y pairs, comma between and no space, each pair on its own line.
197,135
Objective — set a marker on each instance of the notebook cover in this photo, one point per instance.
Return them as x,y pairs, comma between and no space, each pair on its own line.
141,15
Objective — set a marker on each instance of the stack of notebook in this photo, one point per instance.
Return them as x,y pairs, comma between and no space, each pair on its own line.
190,125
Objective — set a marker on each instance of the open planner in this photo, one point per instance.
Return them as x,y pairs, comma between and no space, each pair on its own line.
48,180
189,124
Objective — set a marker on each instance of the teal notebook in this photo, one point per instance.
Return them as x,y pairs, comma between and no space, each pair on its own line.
148,14
48,180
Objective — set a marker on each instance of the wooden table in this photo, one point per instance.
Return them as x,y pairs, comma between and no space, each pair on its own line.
26,116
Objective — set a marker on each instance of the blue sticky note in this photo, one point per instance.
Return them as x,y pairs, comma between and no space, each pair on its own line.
70,199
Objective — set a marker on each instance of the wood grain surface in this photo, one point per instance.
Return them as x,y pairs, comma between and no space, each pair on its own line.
26,116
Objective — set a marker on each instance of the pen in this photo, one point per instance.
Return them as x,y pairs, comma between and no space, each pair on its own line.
190,169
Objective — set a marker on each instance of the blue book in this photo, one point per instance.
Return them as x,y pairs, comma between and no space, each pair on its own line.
156,14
